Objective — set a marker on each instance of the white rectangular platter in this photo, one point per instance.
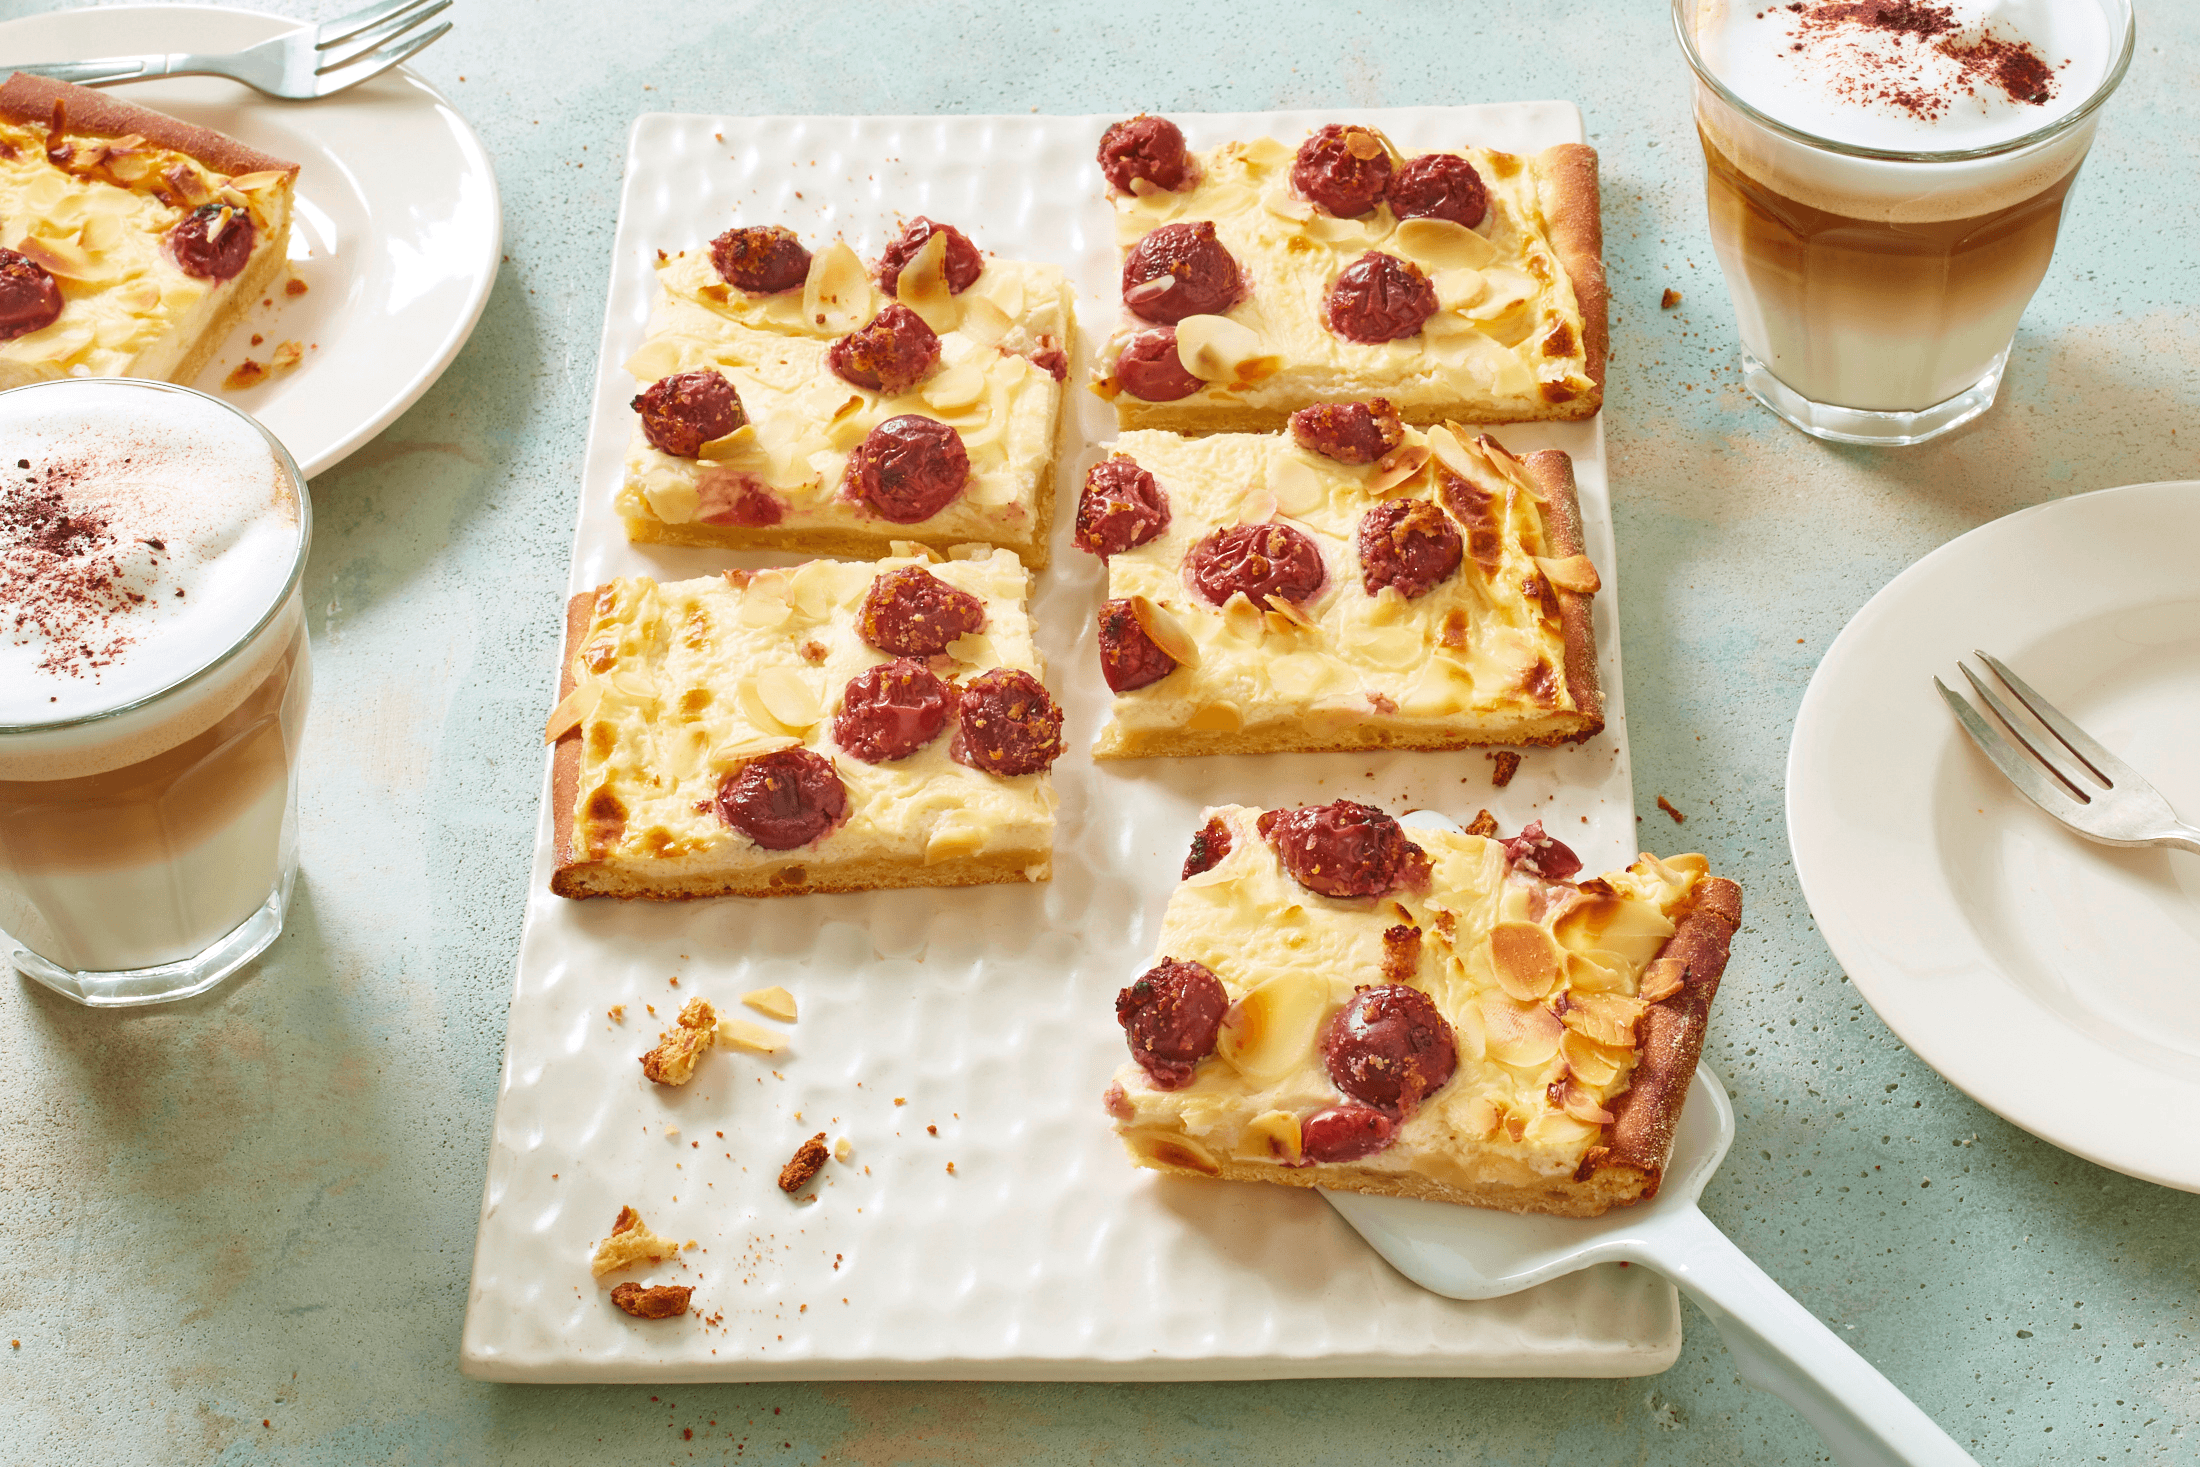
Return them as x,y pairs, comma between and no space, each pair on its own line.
972,1027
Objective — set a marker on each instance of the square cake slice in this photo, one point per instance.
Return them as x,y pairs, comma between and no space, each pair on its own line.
798,402
827,727
1259,278
1340,1002
1356,585
130,242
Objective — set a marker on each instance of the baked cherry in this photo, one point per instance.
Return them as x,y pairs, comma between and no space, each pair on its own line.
1439,186
763,259
1349,432
1210,843
1006,724
783,799
1341,849
1121,507
1409,544
964,263
1389,1048
889,353
909,468
1128,657
1343,169
29,299
1180,270
1171,1015
1379,298
213,242
910,612
1149,367
683,412
1145,147
1344,1133
890,711
1260,560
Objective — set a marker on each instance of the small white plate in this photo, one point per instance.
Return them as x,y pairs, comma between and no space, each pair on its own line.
2055,981
397,230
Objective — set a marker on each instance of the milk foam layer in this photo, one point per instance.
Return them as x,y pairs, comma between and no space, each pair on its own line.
150,532
1833,81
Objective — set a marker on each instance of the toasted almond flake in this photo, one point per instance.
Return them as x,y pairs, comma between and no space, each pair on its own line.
1241,618
1574,573
1440,244
61,257
1258,507
1591,1062
1526,960
219,222
1477,1118
188,185
762,612
1290,612
1398,466
571,709
755,1038
1217,349
836,295
748,745
740,443
1171,1151
1362,144
1456,289
786,695
1580,1103
1270,1030
983,322
1296,486
1507,288
973,648
1273,1135
1662,979
957,387
1608,1018
773,1002
1284,204
1166,632
266,178
1446,448
922,285
1522,1035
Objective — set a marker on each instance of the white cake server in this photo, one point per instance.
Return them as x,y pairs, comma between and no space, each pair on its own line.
1476,1253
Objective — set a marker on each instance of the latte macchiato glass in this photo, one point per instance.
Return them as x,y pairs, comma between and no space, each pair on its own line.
153,685
1884,183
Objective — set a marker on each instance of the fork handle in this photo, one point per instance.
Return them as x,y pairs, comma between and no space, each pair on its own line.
2184,838
107,70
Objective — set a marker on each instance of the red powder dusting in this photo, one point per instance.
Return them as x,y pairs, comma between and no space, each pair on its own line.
62,581
1899,81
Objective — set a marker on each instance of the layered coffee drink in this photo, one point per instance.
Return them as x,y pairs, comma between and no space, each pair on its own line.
153,683
1884,181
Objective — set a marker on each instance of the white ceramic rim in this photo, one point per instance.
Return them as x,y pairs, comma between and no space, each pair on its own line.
1873,896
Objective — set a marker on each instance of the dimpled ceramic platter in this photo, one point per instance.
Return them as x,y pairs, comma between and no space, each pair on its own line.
986,1224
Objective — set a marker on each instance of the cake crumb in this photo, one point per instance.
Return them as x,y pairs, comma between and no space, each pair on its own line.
288,354
901,1100
246,373
616,1013
1667,806
678,1049
1508,765
295,286
951,1168
631,1242
1669,300
664,1301
1484,825
257,338
808,1160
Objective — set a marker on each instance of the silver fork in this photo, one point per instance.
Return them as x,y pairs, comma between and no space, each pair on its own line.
311,61
2068,775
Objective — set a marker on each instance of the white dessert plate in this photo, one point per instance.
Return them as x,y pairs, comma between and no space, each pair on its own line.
396,232
2055,981
1042,1253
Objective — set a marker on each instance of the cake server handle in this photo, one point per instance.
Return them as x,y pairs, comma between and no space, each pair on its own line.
1783,1348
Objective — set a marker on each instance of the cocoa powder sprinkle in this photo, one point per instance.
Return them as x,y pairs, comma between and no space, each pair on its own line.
63,581
1852,38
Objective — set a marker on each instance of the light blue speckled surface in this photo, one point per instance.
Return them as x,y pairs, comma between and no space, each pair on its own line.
260,1207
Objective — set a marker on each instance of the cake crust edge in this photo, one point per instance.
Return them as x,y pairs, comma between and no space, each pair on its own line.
30,99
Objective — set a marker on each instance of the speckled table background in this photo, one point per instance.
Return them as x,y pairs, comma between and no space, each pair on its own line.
239,1229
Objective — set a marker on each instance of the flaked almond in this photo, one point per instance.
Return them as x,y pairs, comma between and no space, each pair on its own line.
1284,204
1525,960
1362,144
740,443
266,178
1241,618
1273,1135
1507,289
1578,1101
913,550
287,355
1296,486
957,387
572,708
952,843
786,695
1218,349
1445,447
1456,289
755,1038
1162,627
62,257
983,322
1662,979
1397,467
1607,1018
1631,931
1441,244
774,1002
747,745
1271,1030
836,295
1522,1035
1596,973
971,647
922,285
762,611
1574,573
1258,507
185,183
1594,1063
1290,612
1171,1152
1477,1118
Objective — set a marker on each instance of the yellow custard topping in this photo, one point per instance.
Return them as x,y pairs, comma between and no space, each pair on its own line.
1508,332
1479,657
98,222
679,684
804,420
1541,982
